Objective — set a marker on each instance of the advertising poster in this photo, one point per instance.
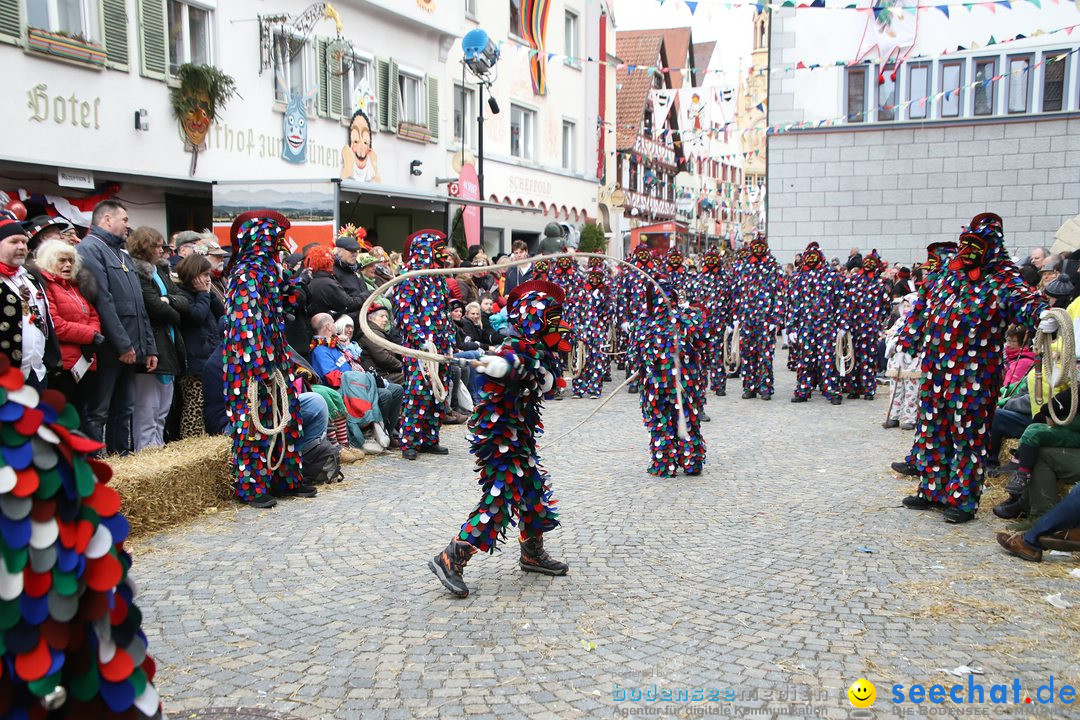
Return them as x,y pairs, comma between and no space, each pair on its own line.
309,206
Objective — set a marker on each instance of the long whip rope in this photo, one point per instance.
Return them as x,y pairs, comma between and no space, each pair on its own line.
845,353
1066,365
279,412
588,417
732,348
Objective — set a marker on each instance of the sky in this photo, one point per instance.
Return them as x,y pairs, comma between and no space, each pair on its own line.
732,29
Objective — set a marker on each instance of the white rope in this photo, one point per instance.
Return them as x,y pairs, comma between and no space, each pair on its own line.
1066,359
732,348
845,353
429,369
588,417
279,411
579,354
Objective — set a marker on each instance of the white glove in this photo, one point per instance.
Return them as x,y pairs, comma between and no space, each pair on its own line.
547,380
1047,323
492,366
625,327
792,337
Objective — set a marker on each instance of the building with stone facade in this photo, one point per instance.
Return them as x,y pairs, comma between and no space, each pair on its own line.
752,123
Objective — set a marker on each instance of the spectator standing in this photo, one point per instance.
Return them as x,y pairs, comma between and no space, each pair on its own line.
519,274
129,338
344,268
297,318
76,322
200,329
325,292
1038,257
30,342
166,307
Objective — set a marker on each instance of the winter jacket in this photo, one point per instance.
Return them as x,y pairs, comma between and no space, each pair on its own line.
351,282
515,276
298,331
479,334
75,321
163,317
1017,364
213,378
461,341
200,328
381,361
120,305
326,295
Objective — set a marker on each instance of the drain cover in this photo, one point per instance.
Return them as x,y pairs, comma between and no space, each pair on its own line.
238,713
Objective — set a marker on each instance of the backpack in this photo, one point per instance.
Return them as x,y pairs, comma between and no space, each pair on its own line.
321,463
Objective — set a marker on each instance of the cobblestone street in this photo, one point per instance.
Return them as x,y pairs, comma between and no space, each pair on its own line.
788,566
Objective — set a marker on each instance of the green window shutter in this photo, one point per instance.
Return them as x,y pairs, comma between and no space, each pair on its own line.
114,22
322,76
11,21
153,56
382,80
336,101
433,107
395,97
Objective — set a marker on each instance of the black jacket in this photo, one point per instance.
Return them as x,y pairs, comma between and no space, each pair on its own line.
124,320
325,294
163,315
461,340
515,276
200,328
298,318
213,378
351,282
478,333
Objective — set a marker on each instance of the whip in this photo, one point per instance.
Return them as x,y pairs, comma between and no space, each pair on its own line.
588,417
279,412
1066,365
732,348
845,353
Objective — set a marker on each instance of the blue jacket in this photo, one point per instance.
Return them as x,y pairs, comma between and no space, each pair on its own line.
329,363
124,320
200,328
213,378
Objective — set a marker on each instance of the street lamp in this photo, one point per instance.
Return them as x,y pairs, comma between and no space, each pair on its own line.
480,57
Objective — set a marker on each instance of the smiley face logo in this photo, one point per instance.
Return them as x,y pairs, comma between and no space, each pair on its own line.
862,693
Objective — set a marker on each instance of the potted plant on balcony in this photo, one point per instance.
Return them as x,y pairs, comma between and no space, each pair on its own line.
67,46
200,91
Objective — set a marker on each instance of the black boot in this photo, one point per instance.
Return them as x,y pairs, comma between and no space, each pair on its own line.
747,394
956,516
633,388
904,469
449,565
853,396
534,558
1019,482
917,502
721,392
1016,506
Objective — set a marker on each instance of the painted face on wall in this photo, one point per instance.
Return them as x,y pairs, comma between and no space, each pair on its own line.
360,139
196,121
294,149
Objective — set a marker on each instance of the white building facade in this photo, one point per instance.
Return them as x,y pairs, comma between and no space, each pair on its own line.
903,148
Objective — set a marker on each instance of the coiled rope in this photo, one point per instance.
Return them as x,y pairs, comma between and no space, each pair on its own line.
579,353
1066,359
279,412
732,349
845,353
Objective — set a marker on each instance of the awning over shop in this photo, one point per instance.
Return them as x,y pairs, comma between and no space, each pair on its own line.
553,210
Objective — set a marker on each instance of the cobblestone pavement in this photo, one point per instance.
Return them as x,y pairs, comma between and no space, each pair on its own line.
754,577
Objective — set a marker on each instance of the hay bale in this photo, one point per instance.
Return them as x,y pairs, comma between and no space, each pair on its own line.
163,487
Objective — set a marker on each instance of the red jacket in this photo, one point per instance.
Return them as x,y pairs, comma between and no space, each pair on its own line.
74,318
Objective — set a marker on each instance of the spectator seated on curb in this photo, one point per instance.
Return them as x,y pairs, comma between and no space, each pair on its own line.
1058,529
1047,454
391,392
357,387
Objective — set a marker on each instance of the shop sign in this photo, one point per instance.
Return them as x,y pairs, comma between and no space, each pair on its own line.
62,110
530,186
83,179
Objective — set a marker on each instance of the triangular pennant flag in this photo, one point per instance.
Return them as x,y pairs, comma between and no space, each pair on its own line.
1005,4
1036,3
944,9
692,6
991,41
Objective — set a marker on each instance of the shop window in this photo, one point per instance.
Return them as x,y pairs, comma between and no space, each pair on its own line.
856,95
569,146
1053,88
985,87
570,30
515,18
918,92
77,18
886,93
952,79
292,66
412,102
189,35
465,116
522,132
1019,84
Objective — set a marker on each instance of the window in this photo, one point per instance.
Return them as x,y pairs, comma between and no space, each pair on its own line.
1053,81
358,79
647,123
886,93
522,132
291,66
189,35
1019,92
515,18
985,86
856,95
412,101
952,78
74,17
470,8
918,91
571,35
465,116
569,146
634,185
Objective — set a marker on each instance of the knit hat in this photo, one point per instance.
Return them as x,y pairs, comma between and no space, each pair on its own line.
1061,287
10,227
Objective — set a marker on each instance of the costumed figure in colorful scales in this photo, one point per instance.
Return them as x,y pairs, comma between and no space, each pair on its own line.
266,438
817,314
610,347
959,325
505,427
592,323
669,347
869,304
420,308
630,296
756,307
713,290
73,644
681,281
